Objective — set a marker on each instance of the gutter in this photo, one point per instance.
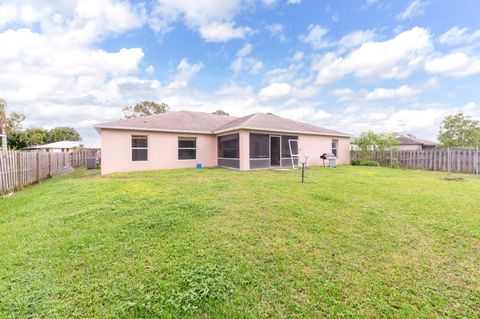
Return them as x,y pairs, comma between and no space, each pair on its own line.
98,128
281,131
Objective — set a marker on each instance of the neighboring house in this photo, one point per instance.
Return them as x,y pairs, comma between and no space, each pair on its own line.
408,143
184,139
57,147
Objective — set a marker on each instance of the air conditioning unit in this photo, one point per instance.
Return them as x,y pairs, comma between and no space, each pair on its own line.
91,163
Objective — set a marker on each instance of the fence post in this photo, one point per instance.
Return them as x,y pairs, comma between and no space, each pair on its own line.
449,160
476,162
49,162
37,163
391,158
19,174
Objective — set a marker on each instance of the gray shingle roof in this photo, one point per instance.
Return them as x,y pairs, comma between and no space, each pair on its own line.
406,140
270,122
200,122
183,121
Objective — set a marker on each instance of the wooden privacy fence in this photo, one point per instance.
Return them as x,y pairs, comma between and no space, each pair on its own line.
453,160
19,169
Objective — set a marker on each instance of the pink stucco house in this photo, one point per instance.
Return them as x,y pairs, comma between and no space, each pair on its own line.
184,139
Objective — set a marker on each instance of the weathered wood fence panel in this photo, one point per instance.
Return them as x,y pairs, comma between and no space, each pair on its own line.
19,169
446,160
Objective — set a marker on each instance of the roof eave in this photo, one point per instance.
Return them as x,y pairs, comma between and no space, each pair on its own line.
280,131
145,129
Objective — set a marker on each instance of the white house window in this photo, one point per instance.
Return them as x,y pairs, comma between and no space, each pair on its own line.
139,148
335,148
187,148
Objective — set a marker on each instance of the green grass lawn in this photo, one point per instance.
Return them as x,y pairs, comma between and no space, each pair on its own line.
353,242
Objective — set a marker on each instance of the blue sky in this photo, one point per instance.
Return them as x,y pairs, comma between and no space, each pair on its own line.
385,65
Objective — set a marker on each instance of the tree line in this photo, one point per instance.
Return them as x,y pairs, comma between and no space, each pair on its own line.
144,108
19,137
458,130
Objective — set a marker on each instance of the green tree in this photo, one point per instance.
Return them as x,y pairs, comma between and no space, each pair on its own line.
387,140
14,126
370,140
367,141
34,136
15,121
63,133
220,112
459,130
145,108
16,140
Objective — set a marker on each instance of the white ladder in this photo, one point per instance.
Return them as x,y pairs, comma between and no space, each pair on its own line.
296,156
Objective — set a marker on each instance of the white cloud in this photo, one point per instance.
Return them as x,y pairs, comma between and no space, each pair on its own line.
277,31
369,3
298,56
415,8
400,92
355,39
23,13
185,72
150,69
470,106
404,92
391,59
409,120
316,37
455,64
213,19
275,90
269,3
294,1
344,94
459,36
221,32
56,74
244,61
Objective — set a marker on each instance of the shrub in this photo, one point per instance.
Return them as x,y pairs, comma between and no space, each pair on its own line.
356,162
370,163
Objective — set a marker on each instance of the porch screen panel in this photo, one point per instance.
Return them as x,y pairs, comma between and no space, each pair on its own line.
259,146
287,162
229,162
228,146
286,147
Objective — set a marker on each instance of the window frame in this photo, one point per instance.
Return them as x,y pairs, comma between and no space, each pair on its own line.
335,149
183,138
132,148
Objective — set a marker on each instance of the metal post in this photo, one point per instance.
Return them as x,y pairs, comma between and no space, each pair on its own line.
391,158
303,172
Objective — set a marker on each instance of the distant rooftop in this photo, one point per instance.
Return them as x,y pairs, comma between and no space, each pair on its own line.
207,123
407,140
62,144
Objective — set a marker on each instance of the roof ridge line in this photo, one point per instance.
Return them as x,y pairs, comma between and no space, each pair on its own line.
251,116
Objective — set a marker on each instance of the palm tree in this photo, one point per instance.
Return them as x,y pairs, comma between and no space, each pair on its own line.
3,123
